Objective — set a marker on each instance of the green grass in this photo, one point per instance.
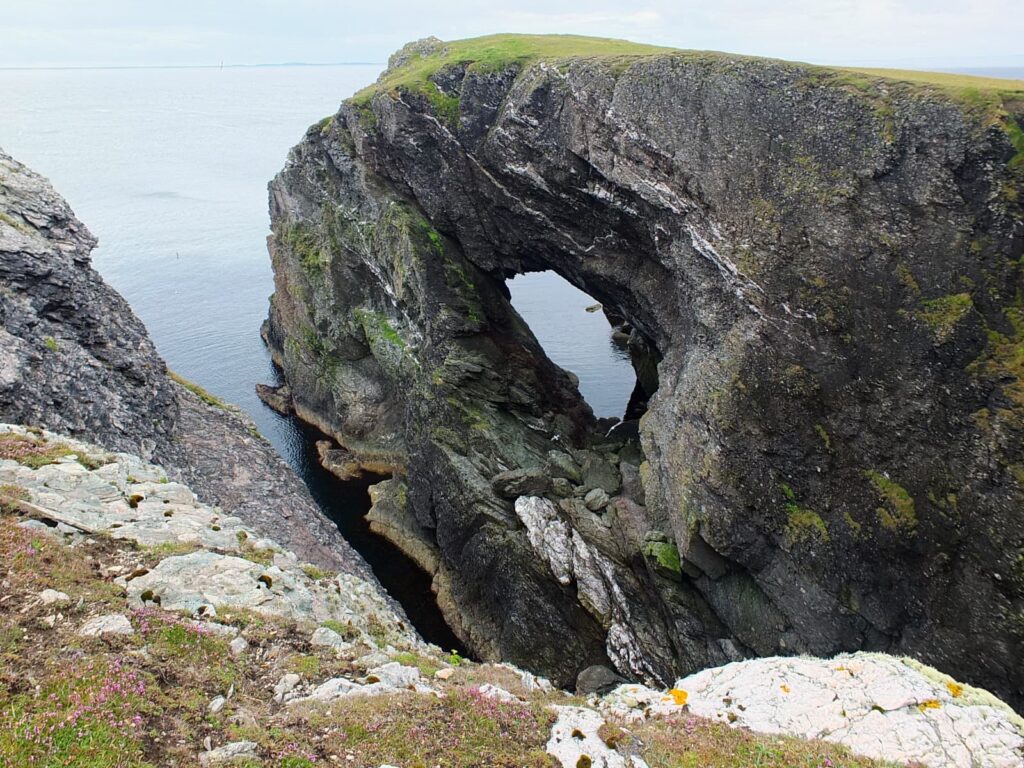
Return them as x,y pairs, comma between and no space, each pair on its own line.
942,315
898,512
90,717
418,731
495,53
983,96
952,82
199,392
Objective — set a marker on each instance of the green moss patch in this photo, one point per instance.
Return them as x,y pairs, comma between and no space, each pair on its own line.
665,553
942,315
802,524
198,391
898,512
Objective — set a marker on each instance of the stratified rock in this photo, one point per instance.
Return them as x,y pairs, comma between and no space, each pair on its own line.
598,472
548,534
521,482
278,398
74,358
125,498
563,465
820,272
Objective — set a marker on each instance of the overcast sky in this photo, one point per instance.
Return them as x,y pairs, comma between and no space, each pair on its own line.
157,32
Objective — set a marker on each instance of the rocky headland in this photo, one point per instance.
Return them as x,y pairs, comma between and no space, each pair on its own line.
820,274
820,456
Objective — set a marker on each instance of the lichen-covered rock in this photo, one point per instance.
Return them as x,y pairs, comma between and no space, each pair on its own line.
92,491
575,741
879,706
111,624
821,272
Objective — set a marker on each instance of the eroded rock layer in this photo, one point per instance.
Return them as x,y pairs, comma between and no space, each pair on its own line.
821,271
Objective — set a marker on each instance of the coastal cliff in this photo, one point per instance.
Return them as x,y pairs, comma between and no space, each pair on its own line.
75,358
820,271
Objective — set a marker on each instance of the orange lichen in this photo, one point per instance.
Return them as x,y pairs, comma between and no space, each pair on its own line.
929,704
785,688
679,696
955,689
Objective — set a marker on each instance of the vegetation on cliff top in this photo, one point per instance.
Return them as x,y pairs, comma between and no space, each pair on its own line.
986,96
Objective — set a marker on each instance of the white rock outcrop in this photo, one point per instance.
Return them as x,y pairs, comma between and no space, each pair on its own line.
879,706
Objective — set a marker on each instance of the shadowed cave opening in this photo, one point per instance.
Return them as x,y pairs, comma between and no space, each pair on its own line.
581,336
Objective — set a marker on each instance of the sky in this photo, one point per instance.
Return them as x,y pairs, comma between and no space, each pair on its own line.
908,33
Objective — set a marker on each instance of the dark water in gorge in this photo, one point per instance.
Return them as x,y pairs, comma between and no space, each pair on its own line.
168,167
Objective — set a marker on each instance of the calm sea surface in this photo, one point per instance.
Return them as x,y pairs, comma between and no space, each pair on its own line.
169,167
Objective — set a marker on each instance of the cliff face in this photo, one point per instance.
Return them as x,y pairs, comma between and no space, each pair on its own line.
75,358
824,266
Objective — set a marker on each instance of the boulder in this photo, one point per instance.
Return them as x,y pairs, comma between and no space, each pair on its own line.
513,483
598,679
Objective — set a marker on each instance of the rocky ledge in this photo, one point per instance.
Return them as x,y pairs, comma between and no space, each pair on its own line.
820,273
159,630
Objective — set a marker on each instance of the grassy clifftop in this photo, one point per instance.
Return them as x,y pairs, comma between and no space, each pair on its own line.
414,68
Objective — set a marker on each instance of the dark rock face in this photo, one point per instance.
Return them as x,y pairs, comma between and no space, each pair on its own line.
74,358
821,277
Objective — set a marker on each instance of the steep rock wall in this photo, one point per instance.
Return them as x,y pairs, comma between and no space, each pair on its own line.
827,265
75,358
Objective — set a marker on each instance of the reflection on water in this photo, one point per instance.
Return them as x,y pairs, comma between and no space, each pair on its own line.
577,340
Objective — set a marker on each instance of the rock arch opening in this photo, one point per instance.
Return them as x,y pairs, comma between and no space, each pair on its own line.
579,335
614,364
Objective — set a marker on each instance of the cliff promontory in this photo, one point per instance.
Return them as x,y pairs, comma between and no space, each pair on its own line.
820,270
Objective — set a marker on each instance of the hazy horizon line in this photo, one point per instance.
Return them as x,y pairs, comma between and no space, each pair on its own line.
909,64
196,66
